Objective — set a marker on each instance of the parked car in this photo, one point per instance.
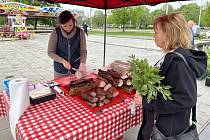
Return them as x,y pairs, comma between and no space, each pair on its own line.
208,34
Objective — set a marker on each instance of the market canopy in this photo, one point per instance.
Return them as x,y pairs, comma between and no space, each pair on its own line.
110,4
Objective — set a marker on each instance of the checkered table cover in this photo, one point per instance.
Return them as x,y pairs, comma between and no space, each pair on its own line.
4,104
66,118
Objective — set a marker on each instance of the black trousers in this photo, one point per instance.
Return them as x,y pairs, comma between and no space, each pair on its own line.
147,125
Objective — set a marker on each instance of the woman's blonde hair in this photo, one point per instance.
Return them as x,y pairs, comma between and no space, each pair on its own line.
176,30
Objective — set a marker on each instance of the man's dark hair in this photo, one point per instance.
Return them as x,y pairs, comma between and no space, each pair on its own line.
65,16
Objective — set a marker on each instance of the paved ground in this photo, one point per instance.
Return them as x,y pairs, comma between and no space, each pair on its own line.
28,58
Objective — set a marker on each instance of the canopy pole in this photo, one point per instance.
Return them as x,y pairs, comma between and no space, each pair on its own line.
105,39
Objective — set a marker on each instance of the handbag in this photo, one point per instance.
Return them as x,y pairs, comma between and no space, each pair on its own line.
190,133
199,76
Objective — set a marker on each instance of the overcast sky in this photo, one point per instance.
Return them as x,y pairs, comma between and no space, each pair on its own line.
174,4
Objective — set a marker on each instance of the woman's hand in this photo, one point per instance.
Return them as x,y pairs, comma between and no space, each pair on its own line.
137,99
83,68
66,64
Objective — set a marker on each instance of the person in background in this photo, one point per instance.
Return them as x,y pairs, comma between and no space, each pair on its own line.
190,26
172,116
85,26
67,47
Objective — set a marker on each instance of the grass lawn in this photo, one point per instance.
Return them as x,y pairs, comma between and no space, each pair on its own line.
126,33
114,32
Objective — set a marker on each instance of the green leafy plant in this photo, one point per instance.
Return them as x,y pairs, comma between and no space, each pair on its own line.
147,81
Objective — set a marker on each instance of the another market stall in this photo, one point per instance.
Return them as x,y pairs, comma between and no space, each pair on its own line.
16,14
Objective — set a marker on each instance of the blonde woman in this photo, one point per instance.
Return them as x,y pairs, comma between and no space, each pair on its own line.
173,117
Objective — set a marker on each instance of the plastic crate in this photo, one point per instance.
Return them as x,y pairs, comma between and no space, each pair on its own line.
6,85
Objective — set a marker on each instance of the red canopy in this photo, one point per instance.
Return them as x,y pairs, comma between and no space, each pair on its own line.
109,4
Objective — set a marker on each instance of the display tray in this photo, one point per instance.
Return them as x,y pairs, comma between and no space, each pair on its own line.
122,96
64,85
65,81
112,102
132,94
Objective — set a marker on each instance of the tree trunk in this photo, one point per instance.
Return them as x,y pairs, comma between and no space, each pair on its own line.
123,27
35,23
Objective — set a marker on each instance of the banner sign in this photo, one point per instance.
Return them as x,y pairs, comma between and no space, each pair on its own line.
18,6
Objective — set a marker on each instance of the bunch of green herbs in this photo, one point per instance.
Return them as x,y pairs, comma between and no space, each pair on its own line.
147,81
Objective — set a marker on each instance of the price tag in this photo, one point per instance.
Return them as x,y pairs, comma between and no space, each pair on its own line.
133,108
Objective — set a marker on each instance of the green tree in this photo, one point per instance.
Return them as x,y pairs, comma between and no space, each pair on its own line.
156,13
206,16
98,19
121,16
48,21
144,17
2,20
110,19
190,12
170,8
136,15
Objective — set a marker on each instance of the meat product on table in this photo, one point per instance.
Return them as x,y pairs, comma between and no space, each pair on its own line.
82,86
116,79
120,66
99,91
100,96
117,82
89,98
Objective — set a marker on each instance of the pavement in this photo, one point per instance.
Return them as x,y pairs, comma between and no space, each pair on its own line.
28,58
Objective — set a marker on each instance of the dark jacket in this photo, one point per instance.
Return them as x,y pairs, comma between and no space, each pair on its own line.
174,115
69,49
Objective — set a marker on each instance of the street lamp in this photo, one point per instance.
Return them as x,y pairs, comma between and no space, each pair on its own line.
90,19
199,20
166,8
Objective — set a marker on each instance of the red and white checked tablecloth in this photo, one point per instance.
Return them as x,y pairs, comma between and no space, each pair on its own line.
4,104
65,118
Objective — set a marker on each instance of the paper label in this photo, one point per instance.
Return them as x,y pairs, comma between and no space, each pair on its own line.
38,93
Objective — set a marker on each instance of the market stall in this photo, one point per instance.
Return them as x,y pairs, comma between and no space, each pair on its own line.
65,118
68,116
16,15
15,18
